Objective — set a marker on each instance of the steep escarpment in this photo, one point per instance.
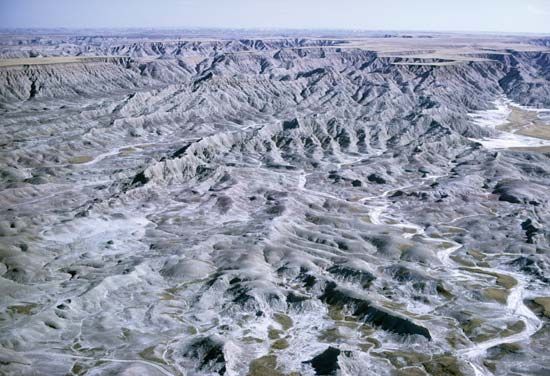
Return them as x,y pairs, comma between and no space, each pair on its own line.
290,205
105,46
527,77
65,80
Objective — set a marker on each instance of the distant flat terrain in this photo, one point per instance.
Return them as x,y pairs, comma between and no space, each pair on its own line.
51,60
527,123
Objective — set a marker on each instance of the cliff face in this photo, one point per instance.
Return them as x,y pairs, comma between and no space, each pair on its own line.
219,207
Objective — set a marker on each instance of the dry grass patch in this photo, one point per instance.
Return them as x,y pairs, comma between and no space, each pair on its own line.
526,123
544,302
23,309
81,159
496,294
501,279
52,60
283,320
264,366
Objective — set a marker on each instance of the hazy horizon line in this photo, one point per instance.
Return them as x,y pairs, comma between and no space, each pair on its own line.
316,29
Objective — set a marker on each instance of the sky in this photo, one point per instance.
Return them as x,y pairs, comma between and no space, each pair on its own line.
412,15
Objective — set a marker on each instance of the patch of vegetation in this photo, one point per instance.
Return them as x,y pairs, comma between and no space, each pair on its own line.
280,344
331,335
366,346
283,320
376,343
78,369
273,333
80,159
166,296
443,366
510,347
149,354
411,371
366,219
496,294
511,329
491,366
462,261
335,313
264,366
441,290
23,309
400,359
544,302
471,326
457,340
476,254
501,279
250,340
127,151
